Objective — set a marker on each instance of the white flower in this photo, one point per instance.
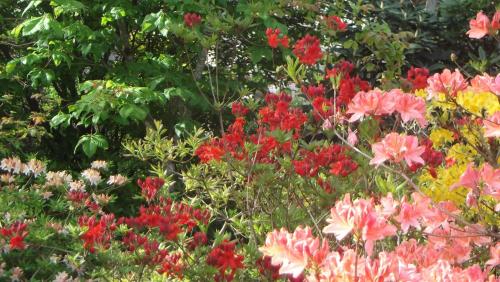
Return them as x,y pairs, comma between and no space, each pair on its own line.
57,178
93,176
13,165
34,167
77,186
17,272
46,195
117,180
99,165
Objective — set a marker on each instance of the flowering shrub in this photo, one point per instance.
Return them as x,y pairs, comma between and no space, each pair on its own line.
390,181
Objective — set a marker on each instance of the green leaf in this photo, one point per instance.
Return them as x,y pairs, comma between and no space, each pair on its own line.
90,143
257,54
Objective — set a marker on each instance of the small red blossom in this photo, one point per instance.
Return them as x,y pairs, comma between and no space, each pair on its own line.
99,232
192,19
15,235
224,258
199,239
418,77
207,152
238,109
335,23
308,50
150,186
274,40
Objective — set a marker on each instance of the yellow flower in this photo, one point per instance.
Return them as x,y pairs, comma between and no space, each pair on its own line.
438,188
441,136
461,153
477,102
470,135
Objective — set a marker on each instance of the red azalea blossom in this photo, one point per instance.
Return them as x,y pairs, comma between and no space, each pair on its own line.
15,235
238,109
308,50
418,77
313,91
192,19
267,269
274,40
224,258
99,232
150,186
335,23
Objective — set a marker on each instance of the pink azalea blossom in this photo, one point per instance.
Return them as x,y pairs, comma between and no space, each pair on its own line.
351,137
480,181
408,216
446,82
294,252
494,256
361,218
492,125
397,147
486,83
479,27
410,107
374,102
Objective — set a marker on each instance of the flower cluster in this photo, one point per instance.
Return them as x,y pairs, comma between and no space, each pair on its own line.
227,262
482,26
300,252
379,103
308,50
150,186
335,23
14,235
192,19
274,39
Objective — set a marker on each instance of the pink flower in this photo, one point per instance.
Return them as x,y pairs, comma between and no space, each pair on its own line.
374,102
486,83
479,27
471,179
495,22
446,82
294,252
360,218
492,125
351,137
487,179
410,107
396,147
408,216
494,256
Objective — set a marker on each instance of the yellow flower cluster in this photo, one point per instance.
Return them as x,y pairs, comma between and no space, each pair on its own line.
462,153
438,189
440,137
477,102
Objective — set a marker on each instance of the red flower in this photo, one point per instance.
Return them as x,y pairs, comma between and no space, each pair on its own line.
238,109
99,232
335,23
273,38
17,242
199,239
349,87
224,258
312,91
343,167
150,187
192,19
15,234
308,50
418,77
207,152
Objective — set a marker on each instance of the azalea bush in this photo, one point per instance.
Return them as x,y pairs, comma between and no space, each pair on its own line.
347,164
